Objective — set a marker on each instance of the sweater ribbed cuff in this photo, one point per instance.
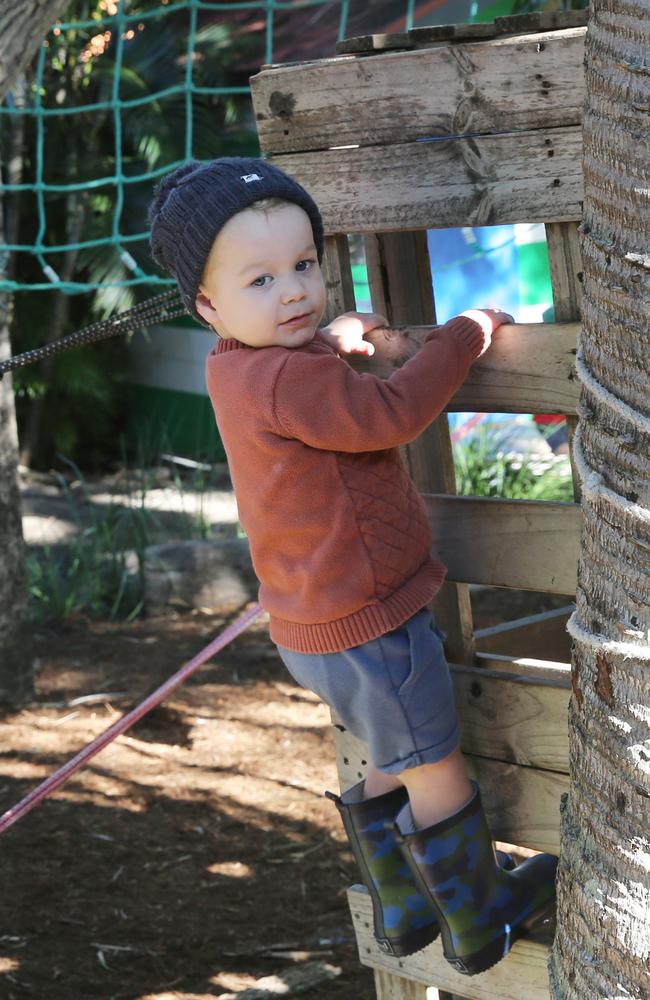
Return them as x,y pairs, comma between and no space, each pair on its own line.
467,332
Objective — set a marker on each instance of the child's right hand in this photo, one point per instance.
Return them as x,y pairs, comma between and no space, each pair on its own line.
489,320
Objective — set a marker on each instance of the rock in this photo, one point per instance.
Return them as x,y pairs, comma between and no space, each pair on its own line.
301,979
215,576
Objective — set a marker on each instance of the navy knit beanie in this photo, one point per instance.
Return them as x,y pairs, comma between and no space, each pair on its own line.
194,202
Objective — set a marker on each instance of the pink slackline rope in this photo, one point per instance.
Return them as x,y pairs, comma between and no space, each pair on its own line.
77,762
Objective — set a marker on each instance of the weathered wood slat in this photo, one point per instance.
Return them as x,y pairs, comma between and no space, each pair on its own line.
517,716
434,33
543,635
511,718
565,263
416,37
521,975
390,987
512,24
552,20
530,368
378,42
522,804
525,544
504,85
337,275
487,180
527,368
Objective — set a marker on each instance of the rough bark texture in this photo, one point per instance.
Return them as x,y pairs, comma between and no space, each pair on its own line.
15,658
23,24
602,946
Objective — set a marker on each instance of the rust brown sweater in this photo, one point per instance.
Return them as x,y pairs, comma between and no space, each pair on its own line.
339,535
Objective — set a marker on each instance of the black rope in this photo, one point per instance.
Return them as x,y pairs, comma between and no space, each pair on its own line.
160,308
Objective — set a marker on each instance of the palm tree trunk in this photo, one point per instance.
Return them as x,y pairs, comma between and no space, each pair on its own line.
15,659
22,26
602,945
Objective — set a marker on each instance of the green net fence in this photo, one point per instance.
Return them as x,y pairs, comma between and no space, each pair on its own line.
119,98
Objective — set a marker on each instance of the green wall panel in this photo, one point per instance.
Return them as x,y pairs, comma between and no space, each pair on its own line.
163,420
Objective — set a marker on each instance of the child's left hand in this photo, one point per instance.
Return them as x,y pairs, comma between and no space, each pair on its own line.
345,333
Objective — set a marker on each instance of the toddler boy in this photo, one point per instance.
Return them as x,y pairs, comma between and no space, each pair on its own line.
340,542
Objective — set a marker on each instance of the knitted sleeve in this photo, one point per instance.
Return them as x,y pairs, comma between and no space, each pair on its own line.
324,403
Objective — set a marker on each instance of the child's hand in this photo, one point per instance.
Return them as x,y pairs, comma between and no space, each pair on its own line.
489,320
345,333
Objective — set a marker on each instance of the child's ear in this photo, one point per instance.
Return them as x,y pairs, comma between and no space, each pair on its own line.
205,309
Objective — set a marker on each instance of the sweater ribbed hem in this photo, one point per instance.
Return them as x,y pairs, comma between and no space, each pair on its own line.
365,624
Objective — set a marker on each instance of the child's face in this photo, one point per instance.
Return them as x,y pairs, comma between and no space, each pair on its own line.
261,274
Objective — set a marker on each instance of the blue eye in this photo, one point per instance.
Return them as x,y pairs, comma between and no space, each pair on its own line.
309,262
256,283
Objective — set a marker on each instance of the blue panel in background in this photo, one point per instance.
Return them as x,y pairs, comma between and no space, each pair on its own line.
474,269
479,268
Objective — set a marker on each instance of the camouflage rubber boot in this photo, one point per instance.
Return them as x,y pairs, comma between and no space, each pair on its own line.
482,909
404,921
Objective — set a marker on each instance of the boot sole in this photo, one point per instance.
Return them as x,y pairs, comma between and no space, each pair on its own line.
409,944
481,961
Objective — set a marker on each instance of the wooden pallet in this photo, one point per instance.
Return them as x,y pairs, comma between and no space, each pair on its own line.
436,34
462,126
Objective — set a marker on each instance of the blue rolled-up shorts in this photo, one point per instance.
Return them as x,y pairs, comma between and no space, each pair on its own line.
394,693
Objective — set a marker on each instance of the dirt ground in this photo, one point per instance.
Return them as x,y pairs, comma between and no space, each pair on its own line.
194,855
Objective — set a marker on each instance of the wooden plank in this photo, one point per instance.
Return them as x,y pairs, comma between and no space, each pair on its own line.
552,20
480,181
521,975
543,635
512,718
525,368
512,710
434,33
522,804
565,263
391,987
524,544
399,276
437,33
379,42
504,85
416,37
337,275
530,367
